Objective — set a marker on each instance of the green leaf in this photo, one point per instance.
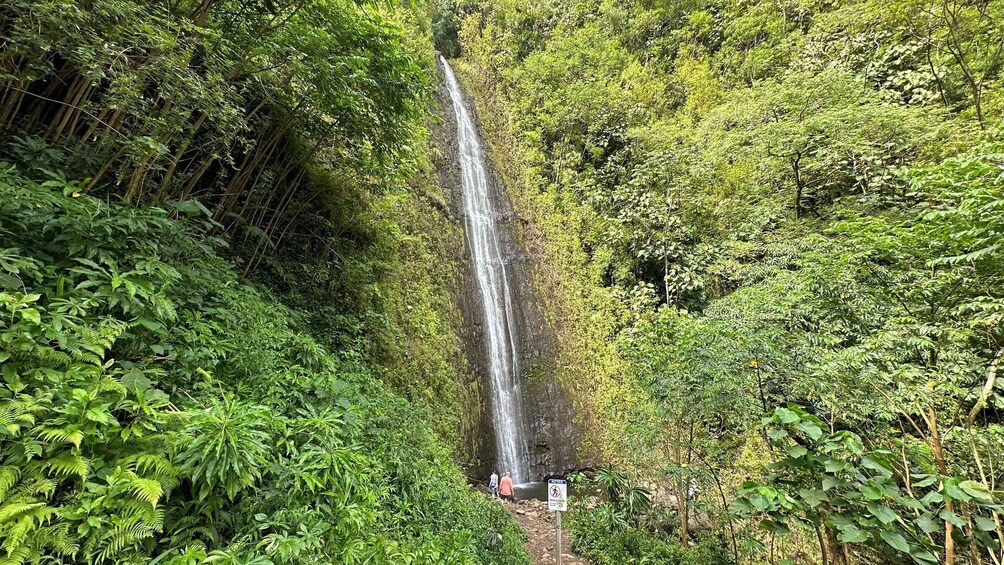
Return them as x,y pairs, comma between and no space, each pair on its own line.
813,497
896,540
877,466
740,506
932,498
985,524
853,534
777,434
786,416
775,527
928,524
949,516
924,556
810,429
796,451
975,489
31,315
759,501
872,492
834,465
135,380
885,514
952,491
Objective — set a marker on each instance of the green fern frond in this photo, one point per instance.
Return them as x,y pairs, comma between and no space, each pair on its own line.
56,538
121,538
208,533
12,510
30,490
32,448
61,435
39,485
17,557
48,357
153,465
17,414
133,510
9,476
16,532
147,490
109,384
67,464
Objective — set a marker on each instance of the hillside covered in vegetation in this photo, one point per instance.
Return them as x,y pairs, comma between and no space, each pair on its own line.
768,239
772,235
227,330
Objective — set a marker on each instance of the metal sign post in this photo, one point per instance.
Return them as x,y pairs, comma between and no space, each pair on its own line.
559,537
557,500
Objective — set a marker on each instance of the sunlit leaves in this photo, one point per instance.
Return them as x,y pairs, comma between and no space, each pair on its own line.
855,492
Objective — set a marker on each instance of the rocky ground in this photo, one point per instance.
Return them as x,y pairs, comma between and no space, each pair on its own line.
538,522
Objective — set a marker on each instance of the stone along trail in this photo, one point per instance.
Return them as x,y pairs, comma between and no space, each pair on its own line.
538,522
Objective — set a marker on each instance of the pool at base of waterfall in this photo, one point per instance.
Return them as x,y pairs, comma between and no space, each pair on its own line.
537,490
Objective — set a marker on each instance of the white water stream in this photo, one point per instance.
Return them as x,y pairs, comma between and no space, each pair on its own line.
496,298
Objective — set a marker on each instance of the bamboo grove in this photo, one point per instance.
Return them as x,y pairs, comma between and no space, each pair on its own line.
230,103
213,217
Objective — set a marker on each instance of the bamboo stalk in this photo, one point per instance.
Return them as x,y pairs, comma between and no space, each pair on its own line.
176,158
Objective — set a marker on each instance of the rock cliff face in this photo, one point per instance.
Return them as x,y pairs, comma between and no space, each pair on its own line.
547,408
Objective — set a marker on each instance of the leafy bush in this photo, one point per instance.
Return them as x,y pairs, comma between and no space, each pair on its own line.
600,535
628,528
155,407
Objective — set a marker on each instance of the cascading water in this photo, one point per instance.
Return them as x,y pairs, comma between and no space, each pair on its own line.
496,297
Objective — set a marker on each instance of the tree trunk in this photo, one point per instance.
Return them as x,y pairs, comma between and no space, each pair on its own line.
796,168
176,158
939,458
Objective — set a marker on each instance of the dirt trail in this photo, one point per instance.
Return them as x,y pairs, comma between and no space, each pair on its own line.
538,522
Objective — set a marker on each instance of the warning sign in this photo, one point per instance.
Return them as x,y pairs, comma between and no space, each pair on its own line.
557,495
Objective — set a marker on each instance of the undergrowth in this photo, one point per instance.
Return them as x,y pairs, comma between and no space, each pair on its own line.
156,409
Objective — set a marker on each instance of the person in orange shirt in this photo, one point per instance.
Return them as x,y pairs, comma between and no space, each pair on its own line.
505,488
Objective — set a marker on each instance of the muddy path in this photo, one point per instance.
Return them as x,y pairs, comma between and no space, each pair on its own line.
538,522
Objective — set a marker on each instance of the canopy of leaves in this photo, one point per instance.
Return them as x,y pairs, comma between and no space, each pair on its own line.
763,203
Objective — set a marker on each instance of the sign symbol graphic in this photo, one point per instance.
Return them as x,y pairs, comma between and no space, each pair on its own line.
557,495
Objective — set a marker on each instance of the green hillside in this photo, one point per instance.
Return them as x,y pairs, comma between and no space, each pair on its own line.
767,237
774,231
228,331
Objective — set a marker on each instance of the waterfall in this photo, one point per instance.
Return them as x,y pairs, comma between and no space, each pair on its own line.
496,298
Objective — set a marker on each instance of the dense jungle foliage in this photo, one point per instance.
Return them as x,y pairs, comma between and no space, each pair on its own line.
770,243
227,330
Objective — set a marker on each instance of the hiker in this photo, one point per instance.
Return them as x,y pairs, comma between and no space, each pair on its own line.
506,488
493,485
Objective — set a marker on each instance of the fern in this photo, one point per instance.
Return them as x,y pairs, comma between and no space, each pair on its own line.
9,476
68,434
15,509
17,413
16,532
120,538
16,557
147,490
67,464
57,538
152,464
